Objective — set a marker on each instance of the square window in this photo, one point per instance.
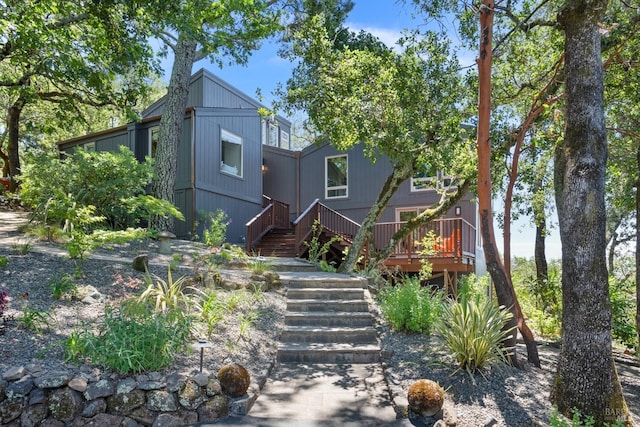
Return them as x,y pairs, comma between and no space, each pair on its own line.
154,135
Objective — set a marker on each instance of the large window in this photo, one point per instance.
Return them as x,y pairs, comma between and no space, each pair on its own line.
231,153
336,177
154,134
273,135
428,180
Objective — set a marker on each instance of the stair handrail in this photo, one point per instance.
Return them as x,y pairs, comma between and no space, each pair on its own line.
328,219
274,215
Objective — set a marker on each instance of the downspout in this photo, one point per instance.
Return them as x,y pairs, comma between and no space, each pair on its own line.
297,157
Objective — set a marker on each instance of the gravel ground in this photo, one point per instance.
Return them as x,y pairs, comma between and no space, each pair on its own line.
502,397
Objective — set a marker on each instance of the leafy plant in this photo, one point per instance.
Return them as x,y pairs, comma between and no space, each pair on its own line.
623,310
166,295
35,320
473,331
4,261
215,231
62,286
21,248
410,307
577,420
318,249
132,339
259,265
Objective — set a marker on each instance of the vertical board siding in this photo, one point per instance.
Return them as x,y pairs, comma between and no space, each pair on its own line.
239,212
279,177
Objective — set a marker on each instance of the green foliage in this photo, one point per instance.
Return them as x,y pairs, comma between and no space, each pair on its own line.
577,420
318,249
113,185
21,248
132,339
540,300
62,286
473,331
4,261
166,295
215,231
426,250
410,307
213,305
33,319
623,311
325,266
259,265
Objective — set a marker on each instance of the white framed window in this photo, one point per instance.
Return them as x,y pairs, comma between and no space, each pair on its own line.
284,140
428,181
405,214
336,173
273,135
90,146
231,153
154,136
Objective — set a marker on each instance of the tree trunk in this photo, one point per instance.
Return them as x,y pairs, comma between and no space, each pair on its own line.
13,150
170,133
539,251
586,378
393,181
494,264
638,243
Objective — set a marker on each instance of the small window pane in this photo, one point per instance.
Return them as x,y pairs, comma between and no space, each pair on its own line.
154,134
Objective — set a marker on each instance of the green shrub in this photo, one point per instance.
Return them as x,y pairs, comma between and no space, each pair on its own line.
410,307
577,420
62,286
33,319
113,183
166,295
623,311
473,331
215,231
318,249
4,261
132,339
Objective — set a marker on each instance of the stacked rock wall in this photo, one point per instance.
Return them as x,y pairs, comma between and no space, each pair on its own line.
30,396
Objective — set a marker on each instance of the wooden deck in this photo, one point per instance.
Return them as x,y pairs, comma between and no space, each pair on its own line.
453,239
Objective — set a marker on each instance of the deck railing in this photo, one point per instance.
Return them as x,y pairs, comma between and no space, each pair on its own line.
453,238
331,221
274,215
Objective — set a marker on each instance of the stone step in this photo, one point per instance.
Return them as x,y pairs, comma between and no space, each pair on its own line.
328,334
328,353
308,305
328,319
320,280
326,294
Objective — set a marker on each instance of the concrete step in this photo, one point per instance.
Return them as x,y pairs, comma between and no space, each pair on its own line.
320,280
328,353
326,294
307,305
357,319
329,334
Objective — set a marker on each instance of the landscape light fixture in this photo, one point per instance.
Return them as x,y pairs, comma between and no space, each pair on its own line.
202,344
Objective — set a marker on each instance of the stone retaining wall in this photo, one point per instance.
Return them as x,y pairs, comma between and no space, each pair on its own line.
30,396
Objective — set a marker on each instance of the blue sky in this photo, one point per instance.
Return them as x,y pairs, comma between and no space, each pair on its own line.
386,19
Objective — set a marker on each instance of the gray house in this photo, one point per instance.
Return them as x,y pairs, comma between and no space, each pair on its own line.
219,156
232,158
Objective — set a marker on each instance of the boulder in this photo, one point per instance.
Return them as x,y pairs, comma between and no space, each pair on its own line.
234,379
425,397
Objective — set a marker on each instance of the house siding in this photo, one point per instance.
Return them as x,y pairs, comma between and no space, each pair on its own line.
280,178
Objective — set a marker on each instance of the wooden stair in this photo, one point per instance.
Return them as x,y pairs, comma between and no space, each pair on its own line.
279,242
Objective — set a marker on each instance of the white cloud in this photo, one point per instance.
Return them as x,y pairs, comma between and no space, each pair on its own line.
388,36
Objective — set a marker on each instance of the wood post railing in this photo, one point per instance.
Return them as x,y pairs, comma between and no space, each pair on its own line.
274,215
